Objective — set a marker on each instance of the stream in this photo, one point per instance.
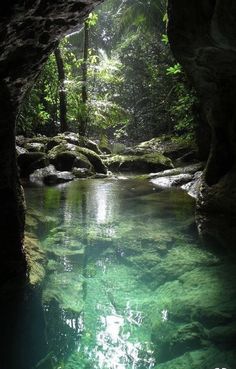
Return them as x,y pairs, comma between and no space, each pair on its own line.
129,284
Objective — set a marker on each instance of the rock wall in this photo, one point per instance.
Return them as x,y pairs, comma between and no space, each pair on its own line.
202,35
29,31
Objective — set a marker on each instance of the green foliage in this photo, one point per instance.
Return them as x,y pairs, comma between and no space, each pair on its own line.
39,112
175,69
135,88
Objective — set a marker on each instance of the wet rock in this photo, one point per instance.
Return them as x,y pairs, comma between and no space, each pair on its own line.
204,44
190,169
76,139
204,359
36,259
91,156
162,145
20,150
82,172
30,161
224,336
50,176
20,140
181,259
172,340
67,289
35,147
172,181
141,163
204,294
193,187
66,161
38,223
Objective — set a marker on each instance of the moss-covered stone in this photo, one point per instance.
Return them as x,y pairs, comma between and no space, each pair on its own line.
39,223
36,259
29,162
172,341
67,289
164,145
142,163
93,158
66,161
204,359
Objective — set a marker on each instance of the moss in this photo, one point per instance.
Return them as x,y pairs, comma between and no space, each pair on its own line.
93,158
140,163
35,257
67,289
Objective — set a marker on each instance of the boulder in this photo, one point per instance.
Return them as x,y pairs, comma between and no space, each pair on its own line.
141,163
76,139
66,161
172,340
30,161
163,145
82,172
172,181
50,176
35,147
91,156
190,169
194,186
20,150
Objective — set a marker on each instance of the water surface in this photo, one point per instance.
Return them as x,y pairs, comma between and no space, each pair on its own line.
129,284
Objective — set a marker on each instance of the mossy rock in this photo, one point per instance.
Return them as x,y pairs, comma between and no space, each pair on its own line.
93,158
204,294
164,145
35,147
180,260
37,222
29,162
202,359
76,139
142,163
67,289
171,340
66,161
36,258
37,139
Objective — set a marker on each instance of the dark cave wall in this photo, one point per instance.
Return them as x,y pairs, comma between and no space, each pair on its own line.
202,35
29,30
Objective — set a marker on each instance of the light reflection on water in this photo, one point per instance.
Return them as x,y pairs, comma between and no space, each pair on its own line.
113,350
103,307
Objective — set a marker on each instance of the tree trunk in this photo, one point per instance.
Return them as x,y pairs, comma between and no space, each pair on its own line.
62,91
84,117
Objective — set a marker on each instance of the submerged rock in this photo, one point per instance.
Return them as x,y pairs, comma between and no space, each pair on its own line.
67,289
36,258
201,359
173,340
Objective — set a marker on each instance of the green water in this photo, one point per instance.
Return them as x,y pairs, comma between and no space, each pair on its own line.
129,284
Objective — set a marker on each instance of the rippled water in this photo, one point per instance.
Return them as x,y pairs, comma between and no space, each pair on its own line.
128,283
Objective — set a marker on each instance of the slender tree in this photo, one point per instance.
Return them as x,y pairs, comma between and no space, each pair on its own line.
84,92
62,90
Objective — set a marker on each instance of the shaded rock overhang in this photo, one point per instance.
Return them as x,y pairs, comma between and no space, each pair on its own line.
29,31
202,36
